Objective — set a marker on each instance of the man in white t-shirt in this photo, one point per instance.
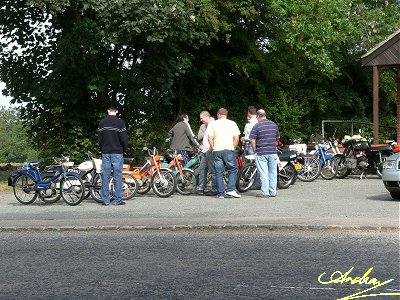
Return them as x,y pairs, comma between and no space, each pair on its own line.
251,121
223,136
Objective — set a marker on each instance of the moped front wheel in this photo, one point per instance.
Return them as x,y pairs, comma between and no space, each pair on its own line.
95,188
163,183
23,189
72,189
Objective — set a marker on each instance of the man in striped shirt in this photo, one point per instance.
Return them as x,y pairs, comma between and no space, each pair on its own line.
263,139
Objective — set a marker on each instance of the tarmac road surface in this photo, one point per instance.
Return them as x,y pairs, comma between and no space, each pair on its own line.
206,264
339,203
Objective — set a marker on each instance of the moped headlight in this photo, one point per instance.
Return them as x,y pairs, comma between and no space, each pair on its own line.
389,164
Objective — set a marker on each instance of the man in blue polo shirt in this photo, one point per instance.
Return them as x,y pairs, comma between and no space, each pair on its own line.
263,139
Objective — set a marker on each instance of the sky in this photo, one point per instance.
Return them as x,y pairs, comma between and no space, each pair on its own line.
4,101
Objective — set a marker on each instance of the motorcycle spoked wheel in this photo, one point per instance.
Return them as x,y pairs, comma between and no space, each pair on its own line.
379,166
310,169
343,171
285,176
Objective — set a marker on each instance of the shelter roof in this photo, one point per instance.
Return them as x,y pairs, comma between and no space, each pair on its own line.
386,53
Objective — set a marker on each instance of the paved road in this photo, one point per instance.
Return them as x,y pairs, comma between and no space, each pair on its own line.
342,203
246,264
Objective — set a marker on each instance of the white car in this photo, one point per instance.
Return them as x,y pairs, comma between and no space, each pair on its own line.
391,175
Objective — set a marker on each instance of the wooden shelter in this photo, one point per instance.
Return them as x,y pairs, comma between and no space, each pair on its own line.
386,54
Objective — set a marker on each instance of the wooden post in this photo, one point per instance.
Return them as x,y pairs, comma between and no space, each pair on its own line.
376,104
398,107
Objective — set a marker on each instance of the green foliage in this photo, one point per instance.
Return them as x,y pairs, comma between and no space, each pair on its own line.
68,60
15,144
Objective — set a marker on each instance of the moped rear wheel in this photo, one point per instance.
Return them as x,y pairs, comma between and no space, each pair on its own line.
145,187
51,195
246,177
285,176
186,182
23,189
343,171
72,189
129,186
329,169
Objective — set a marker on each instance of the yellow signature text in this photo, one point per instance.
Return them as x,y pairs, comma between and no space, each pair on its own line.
338,277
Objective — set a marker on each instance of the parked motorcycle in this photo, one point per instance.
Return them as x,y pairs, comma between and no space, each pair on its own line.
308,166
286,171
360,155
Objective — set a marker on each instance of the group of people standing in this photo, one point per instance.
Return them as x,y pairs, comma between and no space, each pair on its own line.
217,141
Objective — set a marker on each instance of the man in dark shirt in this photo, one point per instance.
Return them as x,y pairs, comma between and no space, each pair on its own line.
113,140
263,139
182,138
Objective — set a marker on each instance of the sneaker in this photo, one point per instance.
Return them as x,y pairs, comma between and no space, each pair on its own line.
233,194
221,197
120,203
105,204
272,195
262,196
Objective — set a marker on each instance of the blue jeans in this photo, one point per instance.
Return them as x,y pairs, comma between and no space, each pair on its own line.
206,165
267,168
222,159
111,163
185,156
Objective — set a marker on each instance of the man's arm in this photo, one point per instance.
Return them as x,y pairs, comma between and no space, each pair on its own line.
211,142
235,141
253,145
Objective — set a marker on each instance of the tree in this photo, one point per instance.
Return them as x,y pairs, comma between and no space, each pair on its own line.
70,59
14,140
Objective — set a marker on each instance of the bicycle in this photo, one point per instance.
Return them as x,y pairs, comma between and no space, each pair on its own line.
28,183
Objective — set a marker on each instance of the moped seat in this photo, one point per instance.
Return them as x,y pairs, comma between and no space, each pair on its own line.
381,147
287,155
